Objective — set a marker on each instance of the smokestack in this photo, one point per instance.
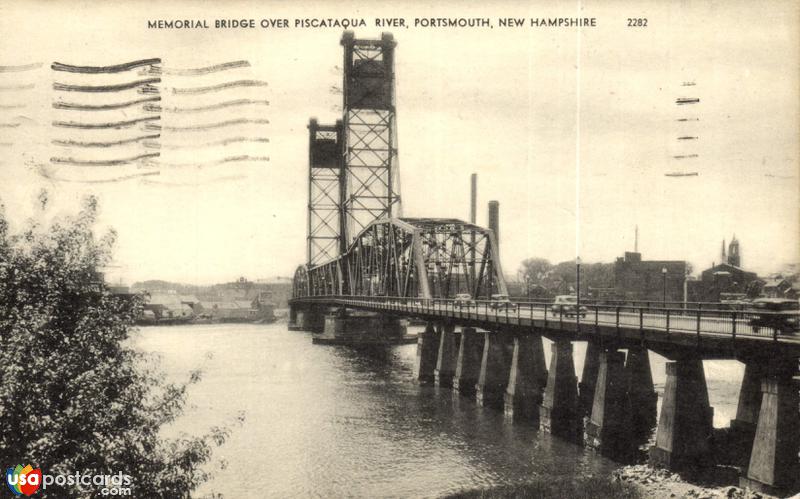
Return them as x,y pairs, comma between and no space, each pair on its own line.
636,240
473,199
494,220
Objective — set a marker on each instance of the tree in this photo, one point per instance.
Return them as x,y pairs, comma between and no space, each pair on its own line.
73,396
534,271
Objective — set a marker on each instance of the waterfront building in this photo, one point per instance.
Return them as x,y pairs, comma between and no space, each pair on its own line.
653,280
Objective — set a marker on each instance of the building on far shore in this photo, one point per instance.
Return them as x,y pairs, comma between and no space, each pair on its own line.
167,307
779,287
726,279
649,280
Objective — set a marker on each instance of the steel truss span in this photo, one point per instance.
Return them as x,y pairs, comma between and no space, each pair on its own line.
410,258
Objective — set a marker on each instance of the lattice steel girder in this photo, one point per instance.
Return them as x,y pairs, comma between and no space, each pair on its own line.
370,154
300,286
325,192
414,257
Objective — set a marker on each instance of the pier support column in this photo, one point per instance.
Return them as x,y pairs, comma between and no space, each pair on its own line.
468,363
774,465
293,325
739,438
608,427
641,392
446,360
750,397
495,365
527,379
427,353
311,318
589,376
683,438
559,413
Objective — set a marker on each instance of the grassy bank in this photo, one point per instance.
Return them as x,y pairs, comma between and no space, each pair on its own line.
562,487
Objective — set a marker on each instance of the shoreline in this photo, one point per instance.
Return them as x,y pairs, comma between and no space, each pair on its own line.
659,482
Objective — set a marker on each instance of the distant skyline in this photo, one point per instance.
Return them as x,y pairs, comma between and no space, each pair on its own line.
571,130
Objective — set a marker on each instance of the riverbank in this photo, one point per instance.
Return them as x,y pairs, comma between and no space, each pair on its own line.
628,482
652,482
591,487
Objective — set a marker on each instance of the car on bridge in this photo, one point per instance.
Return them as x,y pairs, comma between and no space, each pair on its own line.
567,305
462,300
502,302
775,313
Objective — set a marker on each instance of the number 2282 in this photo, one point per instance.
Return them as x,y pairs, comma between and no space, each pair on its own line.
637,22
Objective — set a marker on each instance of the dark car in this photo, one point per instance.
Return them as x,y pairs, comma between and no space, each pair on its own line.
568,306
462,300
775,313
502,302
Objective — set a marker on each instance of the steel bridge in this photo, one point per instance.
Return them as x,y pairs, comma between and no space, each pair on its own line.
364,257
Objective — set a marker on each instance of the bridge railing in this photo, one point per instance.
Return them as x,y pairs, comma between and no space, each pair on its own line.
698,321
662,304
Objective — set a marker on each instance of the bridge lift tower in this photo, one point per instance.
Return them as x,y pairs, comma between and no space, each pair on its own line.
370,133
353,165
325,192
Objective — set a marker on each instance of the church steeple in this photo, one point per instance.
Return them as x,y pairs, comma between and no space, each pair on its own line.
734,257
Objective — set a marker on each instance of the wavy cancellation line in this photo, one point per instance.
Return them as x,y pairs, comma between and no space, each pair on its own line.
217,88
207,126
229,159
74,106
204,70
75,143
210,107
105,88
117,68
223,142
105,162
20,68
115,125
50,176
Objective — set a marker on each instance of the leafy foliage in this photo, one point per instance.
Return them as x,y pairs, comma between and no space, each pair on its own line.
74,397
561,278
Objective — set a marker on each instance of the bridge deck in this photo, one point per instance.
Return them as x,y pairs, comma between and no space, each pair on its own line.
670,331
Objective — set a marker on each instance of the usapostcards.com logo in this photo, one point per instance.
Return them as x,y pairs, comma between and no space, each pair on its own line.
23,480
26,481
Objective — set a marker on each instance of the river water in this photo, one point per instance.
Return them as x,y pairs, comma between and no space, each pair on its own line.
324,421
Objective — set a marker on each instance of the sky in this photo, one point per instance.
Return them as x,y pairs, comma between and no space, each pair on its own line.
570,129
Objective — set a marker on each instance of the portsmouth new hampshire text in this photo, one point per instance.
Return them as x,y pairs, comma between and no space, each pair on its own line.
387,22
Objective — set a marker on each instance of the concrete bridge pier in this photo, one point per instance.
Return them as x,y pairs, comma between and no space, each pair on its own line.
559,413
685,429
774,466
495,365
427,353
527,379
608,427
468,362
308,318
591,363
641,391
750,397
742,430
446,359
358,328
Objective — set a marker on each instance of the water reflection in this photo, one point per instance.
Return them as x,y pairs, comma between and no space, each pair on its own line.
324,421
